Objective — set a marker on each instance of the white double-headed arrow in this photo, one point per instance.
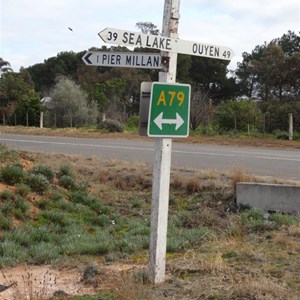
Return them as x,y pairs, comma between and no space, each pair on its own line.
159,121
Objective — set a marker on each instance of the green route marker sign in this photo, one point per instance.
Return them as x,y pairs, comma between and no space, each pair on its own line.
169,110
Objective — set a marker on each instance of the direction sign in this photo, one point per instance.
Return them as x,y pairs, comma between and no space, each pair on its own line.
123,59
137,39
169,111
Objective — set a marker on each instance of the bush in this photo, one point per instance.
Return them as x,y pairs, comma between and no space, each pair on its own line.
55,217
5,222
281,135
67,182
21,205
43,170
44,252
38,183
65,170
132,123
7,209
101,221
22,190
13,251
7,196
111,126
12,174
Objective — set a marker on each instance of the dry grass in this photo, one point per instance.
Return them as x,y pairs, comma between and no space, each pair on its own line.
127,286
240,175
289,239
30,287
230,264
194,184
237,268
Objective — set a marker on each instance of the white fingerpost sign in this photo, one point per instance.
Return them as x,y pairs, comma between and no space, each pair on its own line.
163,43
122,59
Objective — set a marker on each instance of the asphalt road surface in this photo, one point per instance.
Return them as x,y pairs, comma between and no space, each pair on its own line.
281,163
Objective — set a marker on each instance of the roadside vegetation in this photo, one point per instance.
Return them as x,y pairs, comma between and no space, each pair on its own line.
255,100
86,214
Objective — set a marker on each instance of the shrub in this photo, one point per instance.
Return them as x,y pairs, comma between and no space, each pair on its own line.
22,190
7,209
67,182
42,203
38,183
7,196
85,243
44,252
43,170
281,135
100,221
55,217
12,251
20,236
40,234
21,205
64,170
132,123
5,222
111,126
12,174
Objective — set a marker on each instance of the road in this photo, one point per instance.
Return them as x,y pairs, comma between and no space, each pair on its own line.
280,163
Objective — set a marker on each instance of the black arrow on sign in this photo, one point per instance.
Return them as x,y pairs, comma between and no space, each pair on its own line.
86,58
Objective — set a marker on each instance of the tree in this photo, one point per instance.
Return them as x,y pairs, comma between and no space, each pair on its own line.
200,109
44,74
18,98
148,28
237,115
69,105
4,66
271,71
276,114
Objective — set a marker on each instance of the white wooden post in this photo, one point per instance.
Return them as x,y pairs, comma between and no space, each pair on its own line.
290,126
41,119
162,162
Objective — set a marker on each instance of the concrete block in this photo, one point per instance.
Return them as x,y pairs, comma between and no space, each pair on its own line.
269,197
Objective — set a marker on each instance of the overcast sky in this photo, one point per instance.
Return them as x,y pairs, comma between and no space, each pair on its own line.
34,30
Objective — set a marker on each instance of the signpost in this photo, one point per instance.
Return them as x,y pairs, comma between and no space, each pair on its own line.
169,111
168,114
163,43
123,59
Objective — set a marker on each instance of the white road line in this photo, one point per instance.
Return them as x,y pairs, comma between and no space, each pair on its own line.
78,144
233,154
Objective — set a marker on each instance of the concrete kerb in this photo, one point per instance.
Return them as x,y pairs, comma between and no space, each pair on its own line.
269,197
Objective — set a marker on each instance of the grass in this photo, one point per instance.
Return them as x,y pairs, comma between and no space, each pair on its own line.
215,250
